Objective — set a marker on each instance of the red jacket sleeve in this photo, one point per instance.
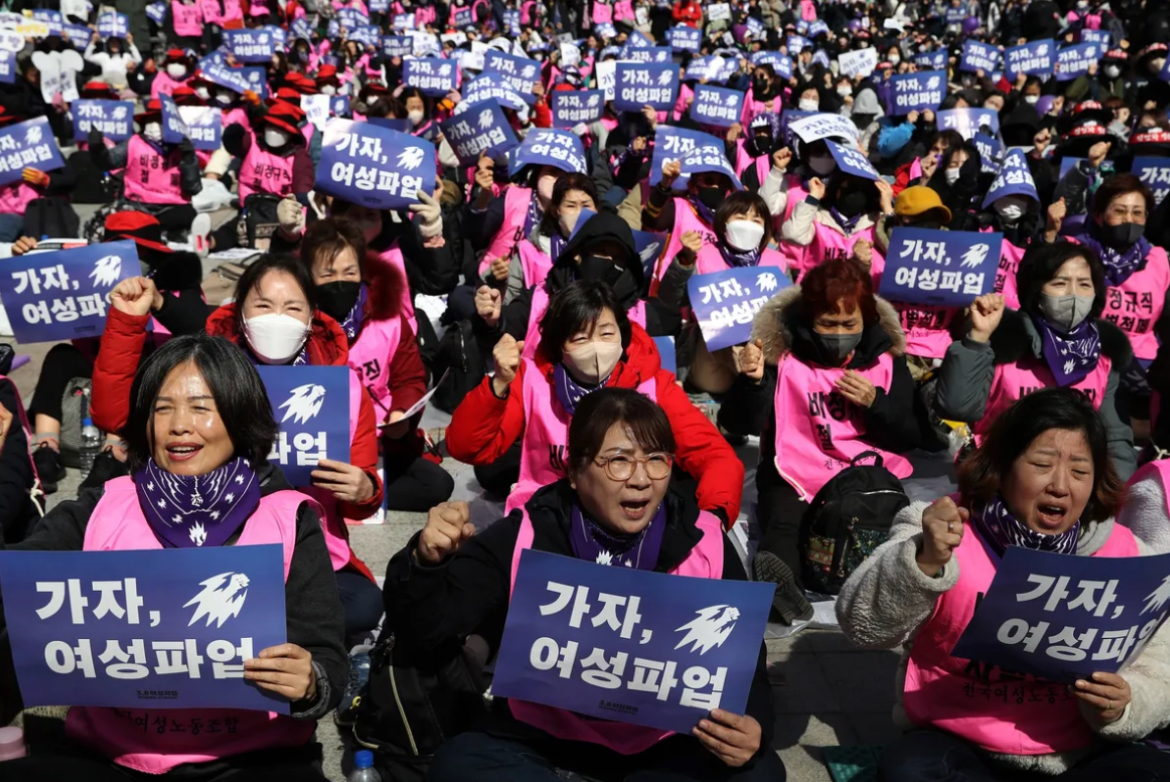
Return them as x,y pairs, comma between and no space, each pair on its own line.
363,453
543,114
484,426
113,372
408,376
702,451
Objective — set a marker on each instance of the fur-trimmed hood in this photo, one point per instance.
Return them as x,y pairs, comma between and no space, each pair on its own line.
1017,338
778,328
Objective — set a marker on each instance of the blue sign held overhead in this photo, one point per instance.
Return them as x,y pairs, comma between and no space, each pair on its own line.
220,73
397,45
64,295
917,92
114,119
645,84
520,73
990,152
943,268
548,147
174,130
310,405
301,29
647,53
572,107
934,61
204,126
339,106
1074,61
374,166
852,161
463,17
684,38
1155,173
671,143
148,629
113,25
630,645
1035,59
157,12
1015,178
716,106
250,45
432,75
978,56
482,127
28,144
512,23
968,122
7,67
725,303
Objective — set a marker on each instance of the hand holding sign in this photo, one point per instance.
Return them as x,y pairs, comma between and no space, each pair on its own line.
506,355
136,296
733,738
986,314
286,670
670,172
1108,693
347,482
942,532
448,526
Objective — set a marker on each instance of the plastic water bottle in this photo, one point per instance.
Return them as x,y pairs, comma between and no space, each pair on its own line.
91,446
363,768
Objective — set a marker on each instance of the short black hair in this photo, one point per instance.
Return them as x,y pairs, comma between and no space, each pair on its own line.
1040,264
740,204
1119,185
273,262
597,413
239,395
574,307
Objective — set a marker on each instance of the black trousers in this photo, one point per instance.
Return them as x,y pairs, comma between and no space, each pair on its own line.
73,764
497,478
779,510
62,363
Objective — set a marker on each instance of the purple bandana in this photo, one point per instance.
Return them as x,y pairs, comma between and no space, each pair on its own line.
738,258
1000,529
848,224
1069,356
197,510
705,214
1119,264
534,216
569,391
353,321
639,551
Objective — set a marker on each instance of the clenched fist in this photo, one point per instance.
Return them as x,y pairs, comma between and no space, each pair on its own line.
448,526
136,296
986,314
942,532
488,304
671,170
506,354
749,359
816,188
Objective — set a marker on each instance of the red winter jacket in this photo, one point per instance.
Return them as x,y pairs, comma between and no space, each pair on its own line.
484,426
688,13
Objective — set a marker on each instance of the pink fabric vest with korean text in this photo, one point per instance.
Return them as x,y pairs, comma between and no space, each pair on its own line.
769,258
705,560
393,257
1016,380
1136,304
535,263
753,107
818,431
1005,274
744,161
265,172
150,178
830,243
602,13
623,11
516,200
188,19
15,198
118,524
685,219
163,84
371,356
927,328
636,314
546,435
1027,716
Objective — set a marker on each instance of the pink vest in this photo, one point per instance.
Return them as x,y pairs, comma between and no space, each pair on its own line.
818,431
535,263
1016,380
637,314
686,96
623,10
188,19
236,116
117,524
1136,304
425,15
704,561
685,219
713,262
516,201
15,198
150,177
752,107
808,10
602,13
393,257
265,172
1024,717
371,356
165,85
744,161
830,243
546,435
927,328
1005,275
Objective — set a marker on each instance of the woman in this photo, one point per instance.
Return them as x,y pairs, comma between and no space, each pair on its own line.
362,293
586,342
1057,339
613,505
692,213
1042,480
115,58
202,393
832,341
275,321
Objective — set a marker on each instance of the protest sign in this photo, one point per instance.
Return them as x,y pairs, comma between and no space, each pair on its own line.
1074,61
666,353
432,75
113,25
858,62
339,106
301,29
1061,618
366,34
493,86
685,39
852,161
709,158
978,56
174,130
463,17
520,73
704,68
250,45
548,147
64,295
1015,178
311,406
51,79
374,166
616,642
797,44
351,18
114,119
480,128
403,22
204,126
932,61
379,6
156,629
819,27
606,74
725,303
1034,58
512,22
968,122
1100,37
638,39
1155,173
316,109
157,12
917,91
396,45
7,67
990,152
572,107
671,143
647,54
943,268
955,15
645,84
570,54
716,106
235,79
717,12
818,126
28,144
11,41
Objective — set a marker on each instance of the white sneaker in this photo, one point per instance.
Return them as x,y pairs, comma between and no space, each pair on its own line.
200,235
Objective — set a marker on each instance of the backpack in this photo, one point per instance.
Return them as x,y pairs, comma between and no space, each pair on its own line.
259,221
847,519
74,409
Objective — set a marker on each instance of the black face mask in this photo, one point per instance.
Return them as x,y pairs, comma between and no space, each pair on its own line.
336,299
764,144
612,273
711,197
1123,235
851,203
759,86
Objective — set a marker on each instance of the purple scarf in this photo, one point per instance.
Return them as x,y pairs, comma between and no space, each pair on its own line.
1069,356
353,321
534,216
197,510
639,551
738,258
848,224
705,214
1119,264
569,391
999,529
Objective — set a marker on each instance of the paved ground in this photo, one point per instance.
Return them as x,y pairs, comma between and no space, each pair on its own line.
826,692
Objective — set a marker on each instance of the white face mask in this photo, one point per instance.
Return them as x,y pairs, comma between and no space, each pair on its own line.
895,59
845,91
1011,208
415,117
176,70
152,132
1112,71
544,187
952,175
203,92
822,164
224,98
809,105
744,235
1031,100
592,362
328,89
275,339
275,137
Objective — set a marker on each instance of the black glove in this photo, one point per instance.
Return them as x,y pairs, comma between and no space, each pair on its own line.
186,147
95,138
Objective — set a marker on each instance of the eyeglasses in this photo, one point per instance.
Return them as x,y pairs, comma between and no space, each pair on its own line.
620,468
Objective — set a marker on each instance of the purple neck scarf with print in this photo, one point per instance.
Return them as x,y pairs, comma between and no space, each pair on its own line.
569,391
1069,356
1119,264
639,551
353,320
187,511
1000,529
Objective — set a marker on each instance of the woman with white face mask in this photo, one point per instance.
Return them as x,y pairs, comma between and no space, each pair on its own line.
1057,339
176,70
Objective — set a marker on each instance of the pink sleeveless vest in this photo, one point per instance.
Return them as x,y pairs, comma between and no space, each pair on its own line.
623,10
232,11
682,104
602,13
265,172
188,19
150,178
829,243
685,219
637,314
752,107
927,328
236,116
546,435
808,10
1027,720
1005,275
165,85
211,13
744,161
818,431
516,200
425,15
15,198
1136,304
535,263
1013,381
117,524
704,561
393,256
371,356
709,262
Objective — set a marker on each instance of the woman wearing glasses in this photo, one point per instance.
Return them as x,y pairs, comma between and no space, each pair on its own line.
615,507
587,342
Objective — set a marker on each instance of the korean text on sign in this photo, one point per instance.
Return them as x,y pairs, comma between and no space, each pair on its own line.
917,91
945,268
28,144
306,402
716,106
645,84
725,303
114,119
375,166
480,128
